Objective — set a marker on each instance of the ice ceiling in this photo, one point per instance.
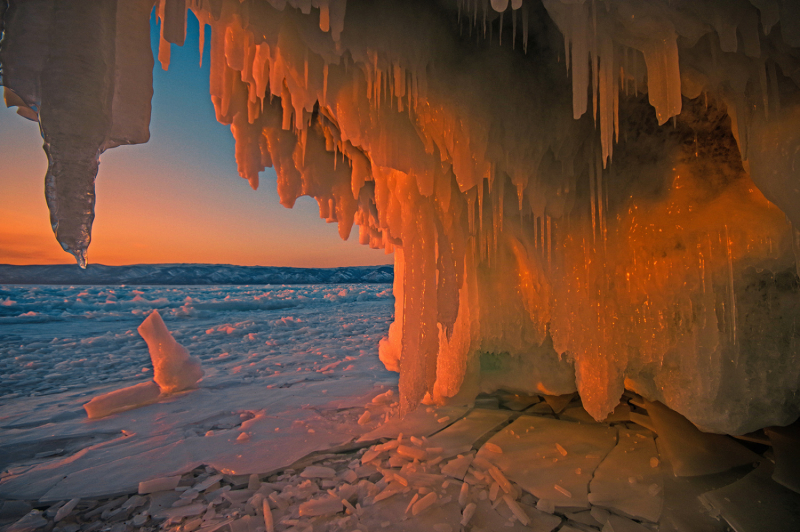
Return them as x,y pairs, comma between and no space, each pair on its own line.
591,195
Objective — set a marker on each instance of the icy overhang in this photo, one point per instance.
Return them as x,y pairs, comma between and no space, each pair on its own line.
579,195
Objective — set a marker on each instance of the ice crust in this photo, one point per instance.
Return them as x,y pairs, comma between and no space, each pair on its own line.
579,195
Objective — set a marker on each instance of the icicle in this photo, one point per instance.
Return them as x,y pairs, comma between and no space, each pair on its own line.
593,201
500,28
163,44
325,84
202,39
598,172
729,257
775,95
525,28
663,78
305,69
762,79
796,248
549,243
324,17
513,30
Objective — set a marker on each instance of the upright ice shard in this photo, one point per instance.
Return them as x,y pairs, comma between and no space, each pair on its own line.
606,199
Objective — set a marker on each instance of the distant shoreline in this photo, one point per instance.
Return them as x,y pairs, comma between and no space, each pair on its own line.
190,274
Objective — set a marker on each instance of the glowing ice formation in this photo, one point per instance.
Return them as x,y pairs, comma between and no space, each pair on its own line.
591,195
174,370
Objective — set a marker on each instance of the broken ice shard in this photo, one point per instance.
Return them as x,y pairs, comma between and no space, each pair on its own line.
174,370
122,399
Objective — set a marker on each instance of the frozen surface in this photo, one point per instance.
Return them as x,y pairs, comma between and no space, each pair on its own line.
552,459
289,367
460,436
756,503
629,479
692,452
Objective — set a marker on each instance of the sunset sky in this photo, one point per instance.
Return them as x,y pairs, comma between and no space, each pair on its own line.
177,198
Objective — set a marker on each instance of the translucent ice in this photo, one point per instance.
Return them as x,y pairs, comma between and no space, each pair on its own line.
174,370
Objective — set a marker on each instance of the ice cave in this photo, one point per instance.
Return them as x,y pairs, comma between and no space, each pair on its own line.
591,196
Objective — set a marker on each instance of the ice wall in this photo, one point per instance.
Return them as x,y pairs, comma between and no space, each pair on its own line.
580,195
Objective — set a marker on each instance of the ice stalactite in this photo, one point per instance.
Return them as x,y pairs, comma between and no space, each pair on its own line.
580,195
88,96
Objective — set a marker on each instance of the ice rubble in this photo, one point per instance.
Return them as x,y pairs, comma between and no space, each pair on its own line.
531,474
552,229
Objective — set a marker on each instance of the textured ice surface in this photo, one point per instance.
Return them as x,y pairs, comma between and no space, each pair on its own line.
786,446
692,452
530,456
629,479
580,197
756,503
459,437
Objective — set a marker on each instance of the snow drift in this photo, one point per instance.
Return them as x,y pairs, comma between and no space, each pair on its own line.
579,195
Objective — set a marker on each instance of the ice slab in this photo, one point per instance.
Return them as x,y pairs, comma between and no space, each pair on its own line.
756,503
559,402
423,421
576,413
393,511
541,409
122,399
531,457
457,467
629,479
519,402
499,518
615,523
786,446
172,437
620,414
692,452
459,437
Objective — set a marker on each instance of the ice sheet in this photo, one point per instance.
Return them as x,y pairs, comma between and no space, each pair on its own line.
628,480
459,437
531,458
692,452
757,503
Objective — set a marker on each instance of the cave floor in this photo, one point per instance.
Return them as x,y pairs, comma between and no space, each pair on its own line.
511,462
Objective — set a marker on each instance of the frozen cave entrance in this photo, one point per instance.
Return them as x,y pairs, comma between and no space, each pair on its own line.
581,196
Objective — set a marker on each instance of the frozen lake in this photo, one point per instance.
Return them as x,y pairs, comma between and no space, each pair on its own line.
55,339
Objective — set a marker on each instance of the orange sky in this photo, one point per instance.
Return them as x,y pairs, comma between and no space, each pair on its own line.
177,198
156,208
